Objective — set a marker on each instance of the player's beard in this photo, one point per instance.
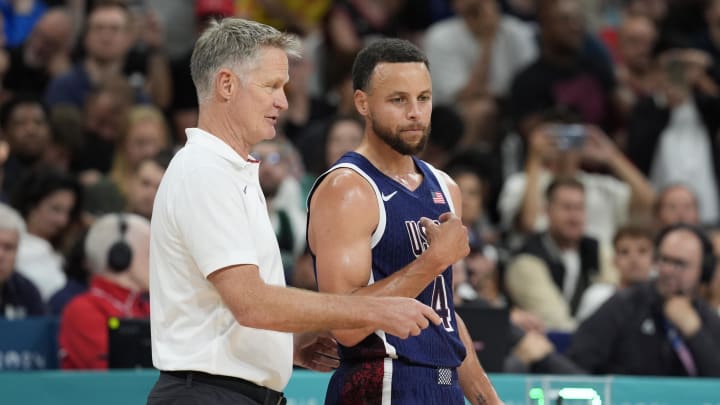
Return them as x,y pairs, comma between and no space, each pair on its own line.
395,141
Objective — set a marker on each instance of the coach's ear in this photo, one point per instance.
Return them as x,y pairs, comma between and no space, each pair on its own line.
226,82
361,102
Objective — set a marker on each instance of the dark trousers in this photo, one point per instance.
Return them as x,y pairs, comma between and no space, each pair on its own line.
194,388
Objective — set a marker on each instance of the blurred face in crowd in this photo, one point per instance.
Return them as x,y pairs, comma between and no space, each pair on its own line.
398,105
677,204
563,25
481,273
273,167
143,187
633,259
9,239
144,139
51,215
679,262
566,215
108,36
104,113
480,16
636,40
53,33
472,198
28,131
344,136
653,9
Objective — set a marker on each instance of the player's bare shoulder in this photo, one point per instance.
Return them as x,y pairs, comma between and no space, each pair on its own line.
344,186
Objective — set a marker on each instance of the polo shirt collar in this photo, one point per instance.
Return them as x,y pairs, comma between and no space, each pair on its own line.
217,146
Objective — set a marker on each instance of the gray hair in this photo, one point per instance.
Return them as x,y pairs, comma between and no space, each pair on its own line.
105,231
10,220
233,43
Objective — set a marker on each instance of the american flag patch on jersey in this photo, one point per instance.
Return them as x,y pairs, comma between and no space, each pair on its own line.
437,197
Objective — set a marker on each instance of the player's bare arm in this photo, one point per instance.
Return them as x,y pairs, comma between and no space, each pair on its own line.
343,215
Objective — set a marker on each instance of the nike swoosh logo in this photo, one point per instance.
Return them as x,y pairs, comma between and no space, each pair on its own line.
389,196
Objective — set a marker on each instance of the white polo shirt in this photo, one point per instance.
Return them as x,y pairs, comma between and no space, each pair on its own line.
210,213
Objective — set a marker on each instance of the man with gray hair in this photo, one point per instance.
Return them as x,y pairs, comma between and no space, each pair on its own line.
117,253
18,296
225,330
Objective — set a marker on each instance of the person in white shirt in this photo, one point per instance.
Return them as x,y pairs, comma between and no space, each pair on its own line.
487,50
222,320
611,200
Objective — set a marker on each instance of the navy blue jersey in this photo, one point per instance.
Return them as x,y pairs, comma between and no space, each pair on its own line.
397,241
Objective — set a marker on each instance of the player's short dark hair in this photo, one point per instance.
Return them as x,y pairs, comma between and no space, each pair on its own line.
388,50
634,230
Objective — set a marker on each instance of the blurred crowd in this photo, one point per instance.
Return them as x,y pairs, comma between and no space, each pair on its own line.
581,133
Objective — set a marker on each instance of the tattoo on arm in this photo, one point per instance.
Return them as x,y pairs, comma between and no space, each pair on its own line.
481,399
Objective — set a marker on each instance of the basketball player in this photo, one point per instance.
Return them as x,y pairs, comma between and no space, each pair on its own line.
384,223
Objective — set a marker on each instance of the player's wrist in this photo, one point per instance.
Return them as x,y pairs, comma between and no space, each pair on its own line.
435,260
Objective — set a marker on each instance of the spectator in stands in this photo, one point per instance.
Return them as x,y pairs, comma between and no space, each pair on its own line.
50,202
633,258
145,133
285,200
554,268
19,18
610,199
482,272
635,70
78,277
304,108
105,114
25,126
447,130
659,327
488,50
18,296
564,75
474,190
66,126
676,204
325,145
146,66
118,289
145,182
530,349
107,40
680,120
43,56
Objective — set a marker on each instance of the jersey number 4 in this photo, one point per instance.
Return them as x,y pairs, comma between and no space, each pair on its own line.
440,302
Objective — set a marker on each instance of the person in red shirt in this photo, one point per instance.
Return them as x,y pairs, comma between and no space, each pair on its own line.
117,252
